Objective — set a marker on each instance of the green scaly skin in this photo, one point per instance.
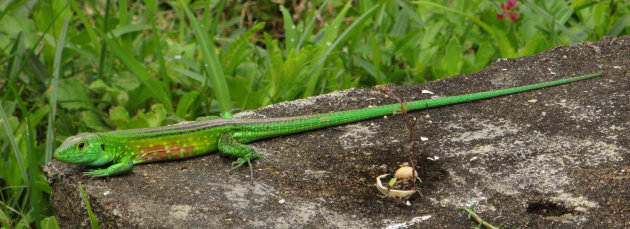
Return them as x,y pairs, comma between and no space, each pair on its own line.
122,149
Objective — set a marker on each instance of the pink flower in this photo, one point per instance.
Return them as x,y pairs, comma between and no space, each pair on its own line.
513,16
507,9
510,5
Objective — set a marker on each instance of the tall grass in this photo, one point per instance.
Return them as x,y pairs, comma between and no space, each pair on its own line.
69,66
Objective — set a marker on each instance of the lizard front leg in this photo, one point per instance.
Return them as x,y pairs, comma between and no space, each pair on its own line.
230,147
123,166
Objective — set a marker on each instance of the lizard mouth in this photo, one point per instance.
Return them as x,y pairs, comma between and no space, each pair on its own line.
66,157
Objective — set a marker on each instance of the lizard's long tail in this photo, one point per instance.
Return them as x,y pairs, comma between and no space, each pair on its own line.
282,126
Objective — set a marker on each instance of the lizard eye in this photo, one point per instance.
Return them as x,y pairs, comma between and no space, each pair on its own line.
81,145
103,147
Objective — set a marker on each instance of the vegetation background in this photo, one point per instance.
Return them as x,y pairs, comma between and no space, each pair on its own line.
70,66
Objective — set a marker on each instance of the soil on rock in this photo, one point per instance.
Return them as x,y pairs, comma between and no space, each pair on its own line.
556,157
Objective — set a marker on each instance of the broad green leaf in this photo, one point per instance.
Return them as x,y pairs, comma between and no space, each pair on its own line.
504,44
49,223
65,127
139,96
73,94
125,81
155,117
121,96
243,94
119,116
453,59
99,85
41,183
93,121
531,46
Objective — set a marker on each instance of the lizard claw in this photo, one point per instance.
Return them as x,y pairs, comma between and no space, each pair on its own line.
96,173
240,161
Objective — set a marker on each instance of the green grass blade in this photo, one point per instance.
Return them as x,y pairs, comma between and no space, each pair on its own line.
50,139
37,202
290,34
376,60
313,79
124,29
157,41
308,28
531,46
329,36
4,220
103,47
123,12
211,65
619,26
13,143
482,57
583,4
217,16
93,220
186,102
11,7
150,15
89,28
140,71
15,61
237,53
193,75
404,5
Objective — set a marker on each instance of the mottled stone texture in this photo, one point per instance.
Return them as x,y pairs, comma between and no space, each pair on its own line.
551,158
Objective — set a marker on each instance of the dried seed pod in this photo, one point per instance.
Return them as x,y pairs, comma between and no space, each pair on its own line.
405,173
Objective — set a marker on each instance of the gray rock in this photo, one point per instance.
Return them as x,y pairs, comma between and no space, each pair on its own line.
550,158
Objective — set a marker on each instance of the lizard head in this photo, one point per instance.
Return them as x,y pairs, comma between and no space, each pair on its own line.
85,148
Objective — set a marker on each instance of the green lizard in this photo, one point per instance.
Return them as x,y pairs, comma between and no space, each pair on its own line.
124,148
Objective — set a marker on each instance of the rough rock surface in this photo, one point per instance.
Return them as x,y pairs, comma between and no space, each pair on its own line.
552,158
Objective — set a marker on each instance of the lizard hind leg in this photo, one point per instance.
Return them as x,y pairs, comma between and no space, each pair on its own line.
230,147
